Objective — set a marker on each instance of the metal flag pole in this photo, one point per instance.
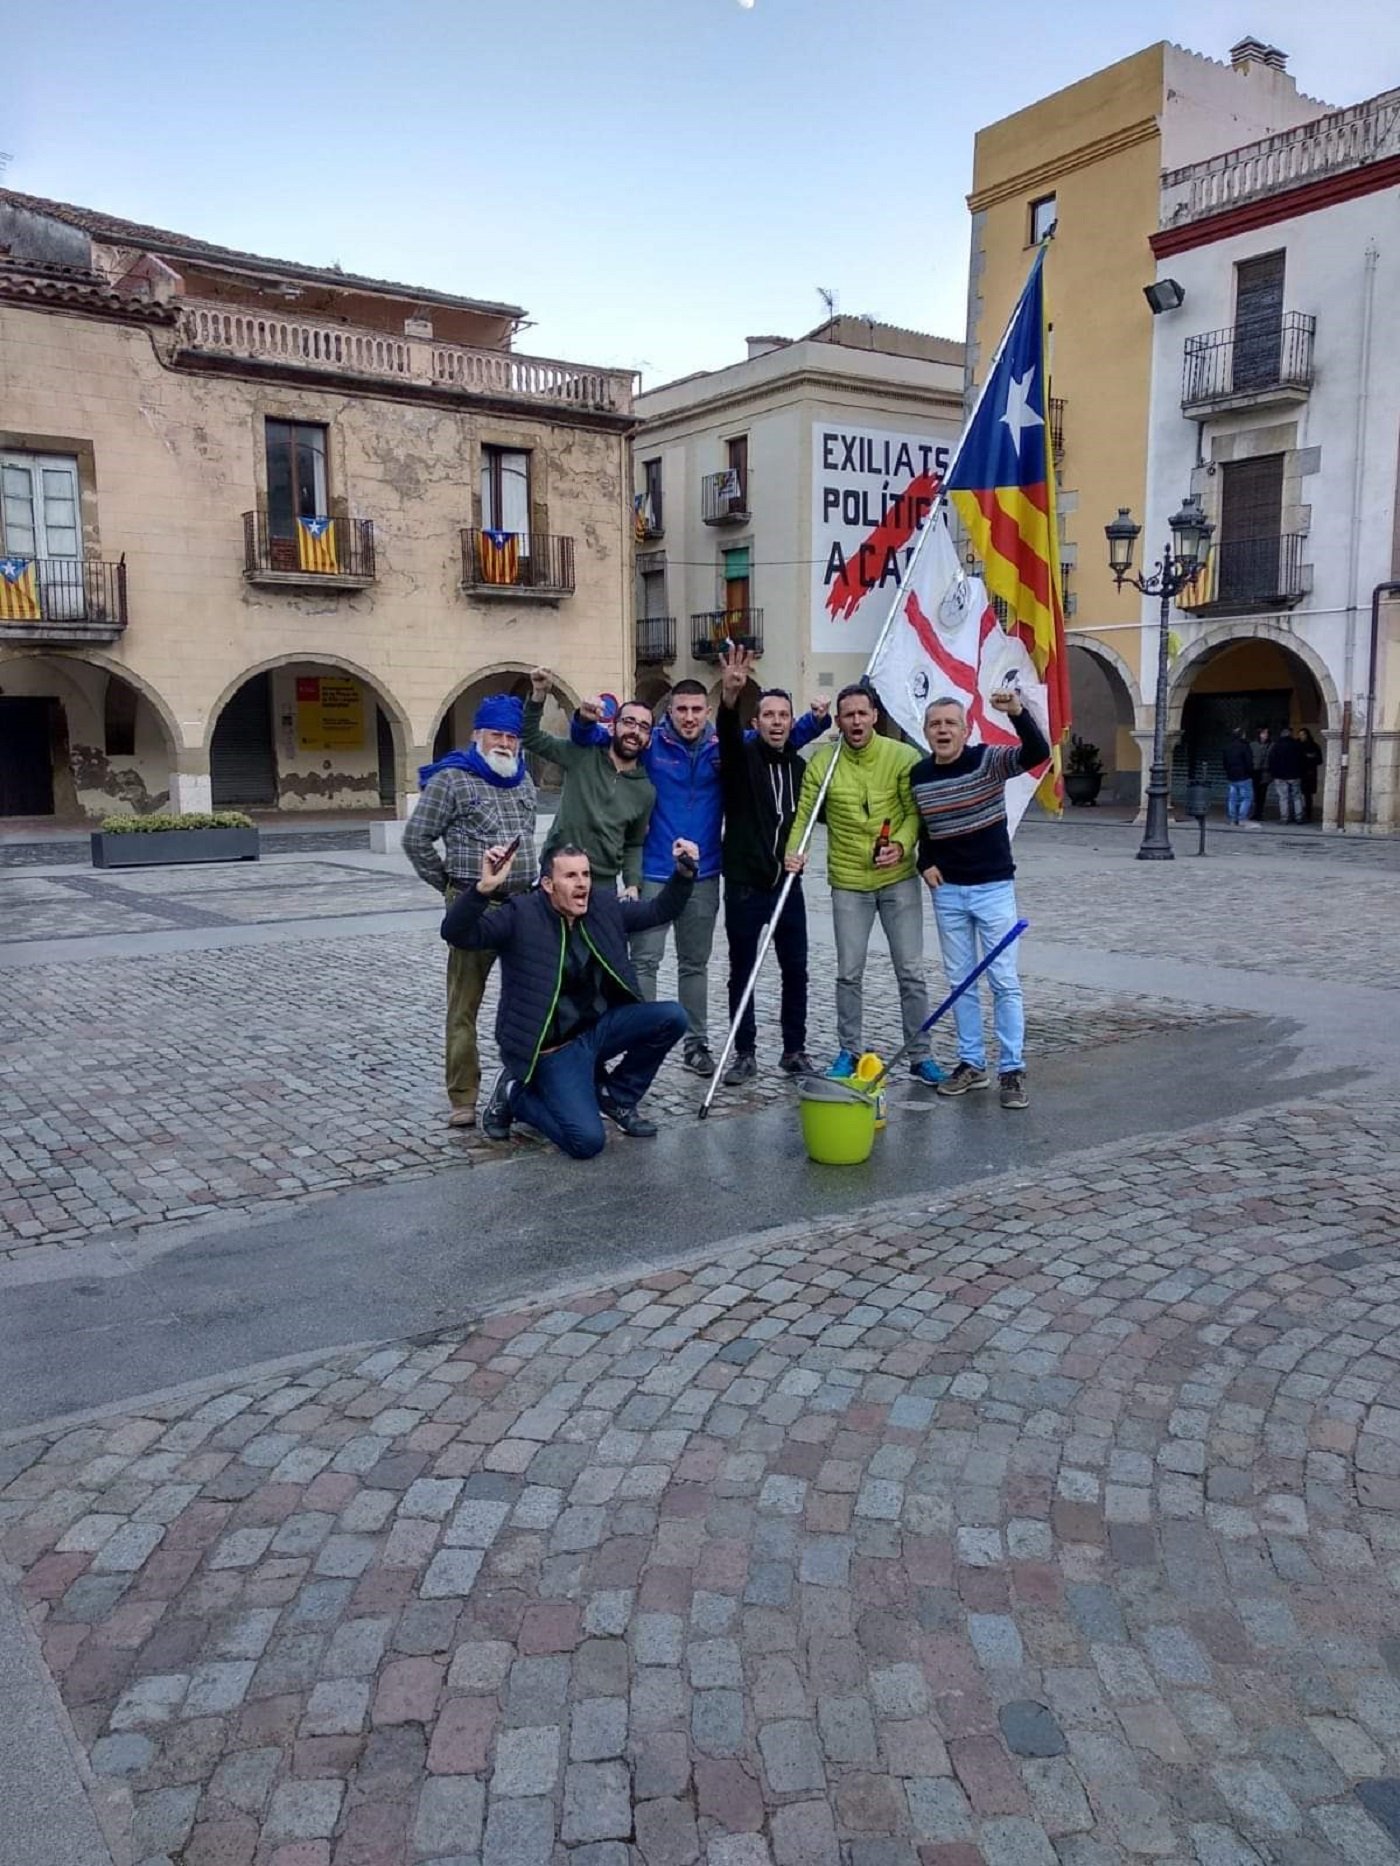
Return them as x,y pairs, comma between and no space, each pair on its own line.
896,606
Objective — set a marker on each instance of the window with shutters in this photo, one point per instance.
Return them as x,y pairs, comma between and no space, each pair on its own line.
1258,321
1251,523
505,493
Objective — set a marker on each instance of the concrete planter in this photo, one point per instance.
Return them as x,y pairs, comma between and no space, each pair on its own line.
158,848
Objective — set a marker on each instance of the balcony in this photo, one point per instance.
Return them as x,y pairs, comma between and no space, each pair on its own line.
720,502
656,640
712,631
526,566
1248,575
1248,366
62,601
1067,595
326,348
335,553
1057,428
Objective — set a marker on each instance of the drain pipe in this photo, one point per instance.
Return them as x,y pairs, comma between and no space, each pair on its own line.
1358,475
1381,590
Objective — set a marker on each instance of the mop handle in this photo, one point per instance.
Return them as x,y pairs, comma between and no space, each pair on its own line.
952,998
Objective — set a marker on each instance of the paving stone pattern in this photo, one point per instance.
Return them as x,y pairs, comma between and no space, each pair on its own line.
1058,1530
143,1091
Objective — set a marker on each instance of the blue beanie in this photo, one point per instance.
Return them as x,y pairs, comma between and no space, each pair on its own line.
500,712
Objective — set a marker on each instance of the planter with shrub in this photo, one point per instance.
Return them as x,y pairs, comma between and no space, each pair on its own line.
194,836
1083,772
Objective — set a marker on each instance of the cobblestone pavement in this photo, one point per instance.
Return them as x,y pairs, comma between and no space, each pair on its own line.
1060,1530
140,1091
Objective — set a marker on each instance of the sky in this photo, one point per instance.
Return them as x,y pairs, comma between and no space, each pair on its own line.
653,180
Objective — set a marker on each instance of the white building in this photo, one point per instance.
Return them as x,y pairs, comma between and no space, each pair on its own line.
1276,397
780,497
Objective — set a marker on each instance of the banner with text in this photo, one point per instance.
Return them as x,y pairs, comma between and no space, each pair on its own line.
871,492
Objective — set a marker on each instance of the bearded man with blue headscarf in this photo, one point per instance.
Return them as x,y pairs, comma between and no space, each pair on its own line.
475,800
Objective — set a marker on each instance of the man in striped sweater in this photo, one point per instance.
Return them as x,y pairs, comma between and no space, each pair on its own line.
965,857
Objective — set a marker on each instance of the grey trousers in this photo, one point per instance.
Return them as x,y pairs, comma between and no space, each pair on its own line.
900,908
695,935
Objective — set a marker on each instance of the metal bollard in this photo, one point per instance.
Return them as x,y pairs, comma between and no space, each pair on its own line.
1197,804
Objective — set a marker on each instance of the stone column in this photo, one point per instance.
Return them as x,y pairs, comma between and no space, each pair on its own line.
191,787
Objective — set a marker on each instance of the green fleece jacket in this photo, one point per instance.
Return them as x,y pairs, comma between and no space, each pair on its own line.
603,810
870,787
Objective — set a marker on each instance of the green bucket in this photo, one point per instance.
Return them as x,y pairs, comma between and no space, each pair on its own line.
838,1122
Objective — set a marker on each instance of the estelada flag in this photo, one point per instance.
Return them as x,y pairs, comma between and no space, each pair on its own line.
1002,485
946,643
498,556
316,545
19,591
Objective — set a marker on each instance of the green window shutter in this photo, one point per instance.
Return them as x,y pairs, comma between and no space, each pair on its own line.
736,564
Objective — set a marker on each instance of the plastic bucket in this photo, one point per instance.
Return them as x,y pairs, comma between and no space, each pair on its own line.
838,1123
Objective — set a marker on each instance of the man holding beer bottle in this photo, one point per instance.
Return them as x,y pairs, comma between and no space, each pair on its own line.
872,829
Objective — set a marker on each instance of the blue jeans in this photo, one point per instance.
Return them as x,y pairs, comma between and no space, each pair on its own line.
970,921
561,1097
1239,800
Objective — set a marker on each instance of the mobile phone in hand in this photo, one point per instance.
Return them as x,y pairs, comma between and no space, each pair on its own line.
508,852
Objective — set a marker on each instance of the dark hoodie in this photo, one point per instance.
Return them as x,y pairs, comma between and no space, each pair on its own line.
760,789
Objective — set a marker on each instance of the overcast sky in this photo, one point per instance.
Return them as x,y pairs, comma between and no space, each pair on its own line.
652,179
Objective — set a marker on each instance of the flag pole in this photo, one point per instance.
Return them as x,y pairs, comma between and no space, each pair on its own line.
896,605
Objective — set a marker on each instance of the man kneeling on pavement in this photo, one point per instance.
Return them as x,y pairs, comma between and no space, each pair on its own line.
570,1002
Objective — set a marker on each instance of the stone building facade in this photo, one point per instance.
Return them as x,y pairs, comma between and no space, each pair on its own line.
269,530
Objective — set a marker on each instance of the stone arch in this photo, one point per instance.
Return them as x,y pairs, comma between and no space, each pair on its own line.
1213,641
103,757
394,711
154,698
518,673
1105,709
652,690
1114,663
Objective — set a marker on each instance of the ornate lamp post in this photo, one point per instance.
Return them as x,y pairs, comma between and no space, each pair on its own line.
1179,566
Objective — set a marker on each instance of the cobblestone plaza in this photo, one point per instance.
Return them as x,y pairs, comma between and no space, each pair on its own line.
1048,1517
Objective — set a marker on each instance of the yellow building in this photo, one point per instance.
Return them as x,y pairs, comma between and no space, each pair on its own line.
269,530
1083,169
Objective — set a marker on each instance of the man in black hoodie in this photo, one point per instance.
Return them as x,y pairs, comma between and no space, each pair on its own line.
760,781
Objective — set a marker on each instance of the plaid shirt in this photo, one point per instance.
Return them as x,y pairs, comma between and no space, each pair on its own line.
468,816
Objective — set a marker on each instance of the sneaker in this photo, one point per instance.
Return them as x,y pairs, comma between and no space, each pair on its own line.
698,1060
464,1116
636,1126
926,1071
495,1116
797,1063
1013,1089
743,1069
966,1076
844,1066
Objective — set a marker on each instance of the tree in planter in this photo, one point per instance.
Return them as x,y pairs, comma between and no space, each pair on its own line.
1083,772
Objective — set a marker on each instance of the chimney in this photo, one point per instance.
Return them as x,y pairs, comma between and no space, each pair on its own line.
1249,52
760,346
1274,59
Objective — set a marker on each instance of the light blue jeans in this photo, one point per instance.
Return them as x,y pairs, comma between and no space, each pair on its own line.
970,921
1239,800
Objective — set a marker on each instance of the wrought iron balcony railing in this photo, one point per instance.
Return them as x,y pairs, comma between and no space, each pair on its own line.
308,550
517,563
51,598
714,629
724,499
656,640
1245,575
1261,360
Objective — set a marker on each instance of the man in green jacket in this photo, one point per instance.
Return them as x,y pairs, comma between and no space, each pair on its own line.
872,831
607,799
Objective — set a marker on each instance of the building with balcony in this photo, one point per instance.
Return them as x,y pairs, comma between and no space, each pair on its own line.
1082,169
772,476
268,530
1276,398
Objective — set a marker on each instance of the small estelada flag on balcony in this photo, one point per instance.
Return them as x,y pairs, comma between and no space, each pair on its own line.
19,590
316,545
498,556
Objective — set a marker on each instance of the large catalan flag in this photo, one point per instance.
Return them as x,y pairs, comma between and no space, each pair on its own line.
19,590
1002,485
316,545
498,556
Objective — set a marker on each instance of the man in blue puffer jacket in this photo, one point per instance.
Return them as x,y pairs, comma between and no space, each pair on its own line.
570,1003
682,761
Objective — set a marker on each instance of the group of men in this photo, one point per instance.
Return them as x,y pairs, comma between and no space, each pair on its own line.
651,815
1291,764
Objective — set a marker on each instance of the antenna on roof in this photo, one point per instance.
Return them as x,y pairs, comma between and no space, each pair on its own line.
830,297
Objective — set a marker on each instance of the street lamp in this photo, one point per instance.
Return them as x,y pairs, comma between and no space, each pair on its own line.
1180,564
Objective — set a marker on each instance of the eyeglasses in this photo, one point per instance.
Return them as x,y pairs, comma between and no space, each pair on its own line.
638,725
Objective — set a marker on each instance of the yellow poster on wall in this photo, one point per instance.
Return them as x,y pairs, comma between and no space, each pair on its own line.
330,713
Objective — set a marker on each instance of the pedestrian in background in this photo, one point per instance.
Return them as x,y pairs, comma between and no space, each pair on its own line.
1286,775
1311,754
472,801
1259,752
1237,762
